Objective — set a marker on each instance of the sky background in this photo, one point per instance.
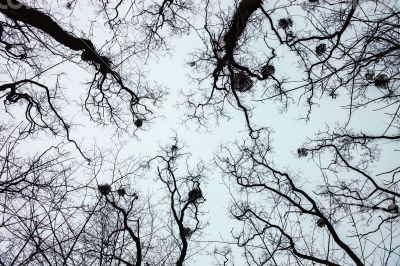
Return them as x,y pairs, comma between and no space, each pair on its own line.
172,71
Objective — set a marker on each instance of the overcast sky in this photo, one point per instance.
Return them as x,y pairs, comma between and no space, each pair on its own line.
172,71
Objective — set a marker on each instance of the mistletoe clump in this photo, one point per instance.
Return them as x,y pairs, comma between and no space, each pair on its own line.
381,81
321,223
187,232
195,194
242,82
285,23
121,192
320,49
267,70
302,152
139,123
104,189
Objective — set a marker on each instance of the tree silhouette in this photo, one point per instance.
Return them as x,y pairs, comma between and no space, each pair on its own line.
285,221
51,214
356,56
29,35
117,209
343,49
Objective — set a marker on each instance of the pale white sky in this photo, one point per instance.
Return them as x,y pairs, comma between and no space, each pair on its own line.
172,72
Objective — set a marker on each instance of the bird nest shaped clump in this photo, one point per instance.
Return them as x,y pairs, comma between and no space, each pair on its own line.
187,232
393,208
320,49
195,194
267,70
104,189
285,23
302,152
121,192
321,223
174,148
138,123
242,82
381,81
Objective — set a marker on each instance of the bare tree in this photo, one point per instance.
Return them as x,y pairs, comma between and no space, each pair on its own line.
56,210
35,201
286,220
136,229
343,49
52,214
349,48
184,196
118,92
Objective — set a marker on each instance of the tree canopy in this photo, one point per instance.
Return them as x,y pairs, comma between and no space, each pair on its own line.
198,132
